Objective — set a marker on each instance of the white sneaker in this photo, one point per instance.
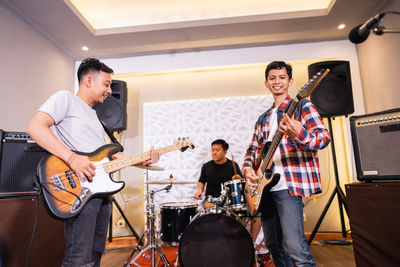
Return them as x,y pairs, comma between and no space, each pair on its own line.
262,250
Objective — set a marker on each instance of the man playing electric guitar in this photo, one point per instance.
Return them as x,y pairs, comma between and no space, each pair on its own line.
295,161
76,127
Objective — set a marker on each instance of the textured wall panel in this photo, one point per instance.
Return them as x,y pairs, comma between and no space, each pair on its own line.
202,121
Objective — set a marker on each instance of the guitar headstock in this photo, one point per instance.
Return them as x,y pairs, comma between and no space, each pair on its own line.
184,143
307,89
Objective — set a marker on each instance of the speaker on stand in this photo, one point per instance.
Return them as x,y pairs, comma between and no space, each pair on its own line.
333,97
113,110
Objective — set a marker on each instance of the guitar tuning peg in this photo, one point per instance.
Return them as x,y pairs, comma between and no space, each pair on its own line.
183,139
315,76
179,139
187,138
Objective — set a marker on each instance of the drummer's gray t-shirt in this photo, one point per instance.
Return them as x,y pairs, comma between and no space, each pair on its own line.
76,124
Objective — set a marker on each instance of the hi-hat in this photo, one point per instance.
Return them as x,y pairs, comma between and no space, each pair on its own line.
170,181
150,167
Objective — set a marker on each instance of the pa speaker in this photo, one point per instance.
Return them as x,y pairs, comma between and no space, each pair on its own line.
376,145
333,96
20,156
113,110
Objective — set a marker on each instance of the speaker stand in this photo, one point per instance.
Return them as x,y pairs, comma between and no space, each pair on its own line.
126,220
341,196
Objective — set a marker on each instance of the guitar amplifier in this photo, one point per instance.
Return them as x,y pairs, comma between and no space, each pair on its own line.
376,143
19,157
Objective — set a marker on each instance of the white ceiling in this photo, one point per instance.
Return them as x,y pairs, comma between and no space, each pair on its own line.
152,27
125,16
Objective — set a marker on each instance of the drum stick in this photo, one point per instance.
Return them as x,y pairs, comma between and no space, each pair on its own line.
234,166
233,163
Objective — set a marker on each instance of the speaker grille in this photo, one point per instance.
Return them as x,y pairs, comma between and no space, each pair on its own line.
113,110
333,96
20,156
110,112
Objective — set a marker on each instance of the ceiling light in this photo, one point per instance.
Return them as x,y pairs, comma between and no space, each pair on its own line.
85,48
341,26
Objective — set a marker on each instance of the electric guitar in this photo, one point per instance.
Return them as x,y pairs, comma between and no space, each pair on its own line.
265,166
65,194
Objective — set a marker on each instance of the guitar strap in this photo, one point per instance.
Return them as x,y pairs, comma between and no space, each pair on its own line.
111,135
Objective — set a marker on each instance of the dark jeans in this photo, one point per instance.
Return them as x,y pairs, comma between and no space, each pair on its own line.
86,234
282,222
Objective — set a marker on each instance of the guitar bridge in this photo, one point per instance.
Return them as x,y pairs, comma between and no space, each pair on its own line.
57,182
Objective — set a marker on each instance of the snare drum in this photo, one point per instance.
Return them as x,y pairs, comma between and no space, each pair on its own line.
235,194
216,239
175,216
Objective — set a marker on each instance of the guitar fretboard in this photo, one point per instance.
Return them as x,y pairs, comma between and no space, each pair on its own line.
118,164
277,138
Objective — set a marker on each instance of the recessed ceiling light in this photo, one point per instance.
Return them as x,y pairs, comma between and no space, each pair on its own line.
341,26
85,48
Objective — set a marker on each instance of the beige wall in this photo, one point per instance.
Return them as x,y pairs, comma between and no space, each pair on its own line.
31,69
379,60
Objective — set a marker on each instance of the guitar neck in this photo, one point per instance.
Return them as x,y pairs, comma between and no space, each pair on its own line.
269,156
118,164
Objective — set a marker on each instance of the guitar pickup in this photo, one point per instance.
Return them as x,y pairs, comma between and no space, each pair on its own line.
70,178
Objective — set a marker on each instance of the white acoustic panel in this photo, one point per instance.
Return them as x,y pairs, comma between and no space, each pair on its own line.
203,121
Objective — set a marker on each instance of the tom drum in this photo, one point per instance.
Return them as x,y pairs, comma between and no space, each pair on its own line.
175,216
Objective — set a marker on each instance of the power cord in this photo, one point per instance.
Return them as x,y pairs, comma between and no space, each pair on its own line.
33,232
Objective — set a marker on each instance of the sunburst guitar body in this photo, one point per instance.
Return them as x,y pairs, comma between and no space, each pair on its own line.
65,194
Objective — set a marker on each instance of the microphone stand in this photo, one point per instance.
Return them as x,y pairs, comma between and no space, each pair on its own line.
379,30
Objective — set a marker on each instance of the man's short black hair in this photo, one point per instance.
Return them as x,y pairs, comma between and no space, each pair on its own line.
221,142
277,65
92,64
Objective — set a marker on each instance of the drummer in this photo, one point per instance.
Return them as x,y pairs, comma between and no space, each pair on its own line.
216,172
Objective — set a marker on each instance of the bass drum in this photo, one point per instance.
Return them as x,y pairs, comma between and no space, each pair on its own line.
216,239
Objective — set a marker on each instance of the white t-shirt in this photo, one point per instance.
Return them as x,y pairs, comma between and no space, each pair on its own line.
281,185
76,124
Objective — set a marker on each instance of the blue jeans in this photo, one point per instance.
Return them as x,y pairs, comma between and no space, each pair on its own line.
282,222
86,234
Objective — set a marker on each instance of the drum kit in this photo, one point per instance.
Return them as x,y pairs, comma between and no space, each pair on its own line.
215,236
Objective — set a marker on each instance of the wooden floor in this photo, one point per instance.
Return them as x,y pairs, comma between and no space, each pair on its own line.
325,255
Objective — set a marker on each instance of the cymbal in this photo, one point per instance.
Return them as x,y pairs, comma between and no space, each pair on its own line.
150,167
170,181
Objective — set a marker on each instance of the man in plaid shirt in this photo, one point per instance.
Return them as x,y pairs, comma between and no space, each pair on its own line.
295,160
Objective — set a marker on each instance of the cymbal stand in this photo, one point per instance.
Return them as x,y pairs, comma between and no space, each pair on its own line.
152,241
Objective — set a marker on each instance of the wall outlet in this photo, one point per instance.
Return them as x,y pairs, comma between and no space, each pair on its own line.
121,223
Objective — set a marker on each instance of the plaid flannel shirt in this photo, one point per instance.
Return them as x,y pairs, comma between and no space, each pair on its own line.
298,155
